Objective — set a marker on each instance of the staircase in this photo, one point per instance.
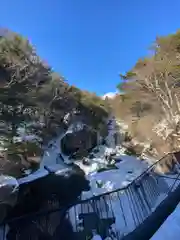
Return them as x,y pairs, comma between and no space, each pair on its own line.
114,214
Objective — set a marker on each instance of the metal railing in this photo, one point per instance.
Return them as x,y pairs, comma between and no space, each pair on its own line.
112,214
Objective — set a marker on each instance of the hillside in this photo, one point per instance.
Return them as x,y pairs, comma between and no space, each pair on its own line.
148,99
38,101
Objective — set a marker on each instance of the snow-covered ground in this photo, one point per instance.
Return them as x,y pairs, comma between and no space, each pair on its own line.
128,168
50,157
170,229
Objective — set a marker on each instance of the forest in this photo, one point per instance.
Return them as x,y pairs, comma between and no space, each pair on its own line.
149,99
35,99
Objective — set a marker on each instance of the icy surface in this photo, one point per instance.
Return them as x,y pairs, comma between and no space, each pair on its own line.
50,156
129,169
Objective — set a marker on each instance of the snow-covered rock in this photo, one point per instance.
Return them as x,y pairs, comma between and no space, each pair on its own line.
8,190
127,169
27,138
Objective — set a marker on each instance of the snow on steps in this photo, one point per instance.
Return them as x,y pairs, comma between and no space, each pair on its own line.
129,206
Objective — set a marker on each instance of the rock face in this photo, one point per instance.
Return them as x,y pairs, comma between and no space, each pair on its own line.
8,194
47,193
33,195
80,141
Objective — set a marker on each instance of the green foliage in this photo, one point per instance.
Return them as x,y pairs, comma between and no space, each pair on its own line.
31,92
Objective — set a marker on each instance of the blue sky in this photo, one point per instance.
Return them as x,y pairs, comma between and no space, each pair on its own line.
90,42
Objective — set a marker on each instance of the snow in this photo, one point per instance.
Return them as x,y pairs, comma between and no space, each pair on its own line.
3,232
50,157
9,189
170,229
114,179
110,95
9,181
118,205
25,137
74,127
33,176
96,237
129,168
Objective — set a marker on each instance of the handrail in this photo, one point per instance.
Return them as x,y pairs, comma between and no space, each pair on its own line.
40,213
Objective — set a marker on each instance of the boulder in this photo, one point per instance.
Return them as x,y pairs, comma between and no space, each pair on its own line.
9,188
49,192
79,141
64,186
86,161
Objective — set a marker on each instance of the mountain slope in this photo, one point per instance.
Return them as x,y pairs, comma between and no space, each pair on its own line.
37,99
